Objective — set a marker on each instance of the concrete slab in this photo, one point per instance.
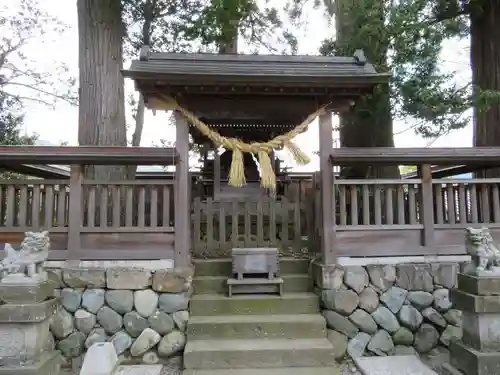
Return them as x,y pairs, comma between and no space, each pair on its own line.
393,365
288,326
269,371
100,359
139,370
262,353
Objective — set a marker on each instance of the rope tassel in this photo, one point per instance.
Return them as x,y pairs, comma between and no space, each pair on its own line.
268,178
237,171
298,155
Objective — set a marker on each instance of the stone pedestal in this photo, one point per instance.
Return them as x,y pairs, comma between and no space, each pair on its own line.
478,353
25,314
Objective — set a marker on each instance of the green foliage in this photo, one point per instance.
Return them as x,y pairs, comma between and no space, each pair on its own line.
11,118
408,44
214,22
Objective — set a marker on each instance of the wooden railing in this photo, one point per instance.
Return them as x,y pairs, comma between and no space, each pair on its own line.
128,219
399,217
219,226
142,212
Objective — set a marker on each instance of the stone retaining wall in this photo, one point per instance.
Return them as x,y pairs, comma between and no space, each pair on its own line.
143,312
388,309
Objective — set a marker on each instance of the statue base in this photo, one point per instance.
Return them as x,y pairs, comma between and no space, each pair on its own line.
26,292
478,352
47,364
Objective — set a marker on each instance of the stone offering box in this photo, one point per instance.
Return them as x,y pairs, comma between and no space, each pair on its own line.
256,270
255,261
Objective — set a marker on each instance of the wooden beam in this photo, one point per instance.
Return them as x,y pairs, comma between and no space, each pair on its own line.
426,206
182,202
216,173
75,214
327,202
93,155
415,156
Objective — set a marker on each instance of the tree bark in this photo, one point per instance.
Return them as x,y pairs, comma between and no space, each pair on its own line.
485,64
369,124
101,119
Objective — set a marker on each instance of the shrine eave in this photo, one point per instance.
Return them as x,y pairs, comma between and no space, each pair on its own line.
261,72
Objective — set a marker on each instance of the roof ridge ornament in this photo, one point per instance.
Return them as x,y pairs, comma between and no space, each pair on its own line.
145,53
359,57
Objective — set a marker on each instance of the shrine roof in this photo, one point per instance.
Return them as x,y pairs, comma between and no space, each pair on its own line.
297,71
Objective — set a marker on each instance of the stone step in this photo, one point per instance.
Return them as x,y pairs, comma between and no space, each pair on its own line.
222,267
218,284
269,371
393,365
299,326
265,353
249,304
139,370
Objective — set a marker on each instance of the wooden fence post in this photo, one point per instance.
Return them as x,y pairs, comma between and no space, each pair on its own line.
327,188
181,194
75,211
426,206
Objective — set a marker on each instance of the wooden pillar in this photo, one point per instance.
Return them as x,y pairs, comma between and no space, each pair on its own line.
75,214
327,202
426,206
182,203
216,172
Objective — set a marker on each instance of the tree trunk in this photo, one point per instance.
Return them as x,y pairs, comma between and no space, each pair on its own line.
102,103
485,63
369,124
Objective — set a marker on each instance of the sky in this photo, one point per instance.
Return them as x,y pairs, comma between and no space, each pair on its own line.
61,123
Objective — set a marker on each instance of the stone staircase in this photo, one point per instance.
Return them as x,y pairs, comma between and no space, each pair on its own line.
256,334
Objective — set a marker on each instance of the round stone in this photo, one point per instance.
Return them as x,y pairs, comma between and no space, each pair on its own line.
442,302
386,319
134,323
368,300
71,299
172,302
97,335
84,321
410,317
61,324
172,343
363,321
161,322
420,299
73,345
93,300
145,302
339,343
146,341
426,338
402,336
122,301
181,319
381,343
121,341
109,319
342,301
356,278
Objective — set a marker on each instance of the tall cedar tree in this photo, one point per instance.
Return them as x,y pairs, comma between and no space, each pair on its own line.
102,103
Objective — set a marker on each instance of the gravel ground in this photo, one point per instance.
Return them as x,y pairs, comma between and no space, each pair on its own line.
434,359
349,368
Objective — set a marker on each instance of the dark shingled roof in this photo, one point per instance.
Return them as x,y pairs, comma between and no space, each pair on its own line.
184,68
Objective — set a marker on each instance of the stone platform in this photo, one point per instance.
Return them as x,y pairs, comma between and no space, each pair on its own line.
395,365
478,353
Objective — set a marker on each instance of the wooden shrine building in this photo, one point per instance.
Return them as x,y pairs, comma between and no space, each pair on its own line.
252,98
